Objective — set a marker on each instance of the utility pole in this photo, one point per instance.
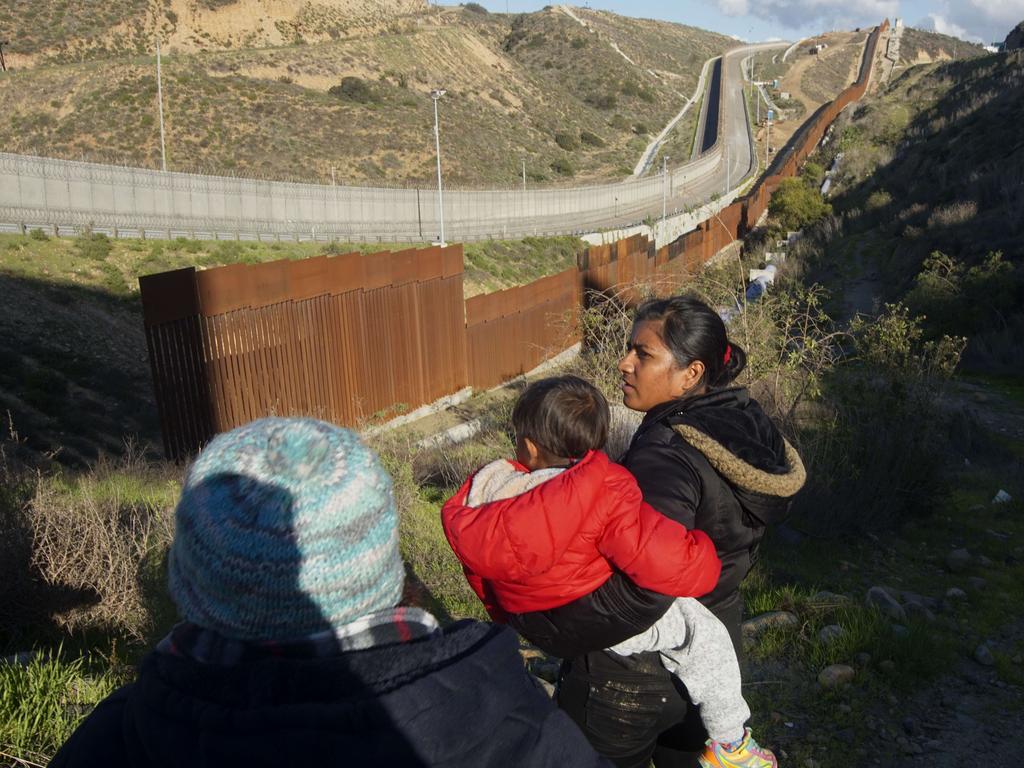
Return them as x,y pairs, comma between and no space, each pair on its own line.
436,94
160,100
3,64
664,187
524,175
767,140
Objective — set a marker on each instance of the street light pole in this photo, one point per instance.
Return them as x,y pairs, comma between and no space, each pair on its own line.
436,94
664,187
160,99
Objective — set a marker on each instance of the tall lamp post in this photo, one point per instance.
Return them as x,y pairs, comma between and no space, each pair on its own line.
160,100
436,94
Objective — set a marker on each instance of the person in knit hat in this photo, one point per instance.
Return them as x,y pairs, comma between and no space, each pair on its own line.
293,648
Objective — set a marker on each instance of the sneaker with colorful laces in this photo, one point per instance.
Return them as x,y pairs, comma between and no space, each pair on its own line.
749,754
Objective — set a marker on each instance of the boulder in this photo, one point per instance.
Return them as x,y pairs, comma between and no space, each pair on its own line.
758,625
886,603
836,675
984,656
958,560
829,634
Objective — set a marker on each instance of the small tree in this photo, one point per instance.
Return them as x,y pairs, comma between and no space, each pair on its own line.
353,89
795,205
567,141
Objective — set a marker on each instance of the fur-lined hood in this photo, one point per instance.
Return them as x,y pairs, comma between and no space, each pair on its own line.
741,444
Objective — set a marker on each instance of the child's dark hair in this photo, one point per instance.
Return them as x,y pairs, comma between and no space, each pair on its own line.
693,331
564,415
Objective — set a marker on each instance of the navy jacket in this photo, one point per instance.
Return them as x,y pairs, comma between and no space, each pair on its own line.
461,698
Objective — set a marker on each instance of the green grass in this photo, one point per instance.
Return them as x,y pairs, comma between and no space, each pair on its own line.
43,702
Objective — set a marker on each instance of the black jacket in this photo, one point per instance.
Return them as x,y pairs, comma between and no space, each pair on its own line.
713,462
461,698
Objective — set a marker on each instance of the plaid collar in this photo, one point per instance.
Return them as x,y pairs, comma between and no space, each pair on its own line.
394,625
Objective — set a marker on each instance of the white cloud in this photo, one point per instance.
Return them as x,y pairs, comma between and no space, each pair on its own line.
976,20
822,14
936,23
734,7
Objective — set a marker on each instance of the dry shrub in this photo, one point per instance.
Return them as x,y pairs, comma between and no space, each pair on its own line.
104,536
953,214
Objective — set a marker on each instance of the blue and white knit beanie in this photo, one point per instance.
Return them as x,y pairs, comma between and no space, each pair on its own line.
285,527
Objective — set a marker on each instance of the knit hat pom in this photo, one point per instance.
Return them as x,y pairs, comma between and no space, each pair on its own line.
285,527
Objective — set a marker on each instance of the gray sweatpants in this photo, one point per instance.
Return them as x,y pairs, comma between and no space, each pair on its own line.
695,647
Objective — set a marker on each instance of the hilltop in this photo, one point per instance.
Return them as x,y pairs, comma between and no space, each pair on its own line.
573,101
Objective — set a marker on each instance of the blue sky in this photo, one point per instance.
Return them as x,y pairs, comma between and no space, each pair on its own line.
977,20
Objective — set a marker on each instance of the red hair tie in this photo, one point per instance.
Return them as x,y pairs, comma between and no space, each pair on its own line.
728,354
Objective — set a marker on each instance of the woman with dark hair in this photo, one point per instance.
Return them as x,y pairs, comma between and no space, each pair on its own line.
707,456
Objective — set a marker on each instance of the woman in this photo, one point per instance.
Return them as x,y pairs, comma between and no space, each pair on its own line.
707,456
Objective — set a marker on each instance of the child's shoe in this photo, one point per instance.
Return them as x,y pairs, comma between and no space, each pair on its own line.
749,754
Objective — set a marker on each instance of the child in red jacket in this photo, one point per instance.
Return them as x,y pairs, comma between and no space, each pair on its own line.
562,524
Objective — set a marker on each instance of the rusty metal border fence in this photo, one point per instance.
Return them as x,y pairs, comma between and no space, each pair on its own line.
336,337
346,337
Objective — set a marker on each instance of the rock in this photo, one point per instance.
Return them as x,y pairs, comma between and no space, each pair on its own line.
887,665
898,630
758,625
846,709
910,726
862,659
912,597
912,748
810,762
836,675
1017,659
977,583
955,593
1015,39
830,634
20,659
886,603
958,560
918,611
984,656
984,562
1002,497
845,735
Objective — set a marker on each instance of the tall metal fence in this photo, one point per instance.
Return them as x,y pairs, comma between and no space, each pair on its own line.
345,337
136,202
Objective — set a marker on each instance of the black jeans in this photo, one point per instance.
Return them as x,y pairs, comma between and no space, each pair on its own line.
632,710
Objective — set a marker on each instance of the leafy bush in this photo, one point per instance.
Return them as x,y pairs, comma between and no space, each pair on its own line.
38,234
92,245
591,139
563,166
796,205
567,141
474,8
353,89
641,129
579,42
605,101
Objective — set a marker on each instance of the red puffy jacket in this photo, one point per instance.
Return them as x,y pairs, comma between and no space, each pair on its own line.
560,541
